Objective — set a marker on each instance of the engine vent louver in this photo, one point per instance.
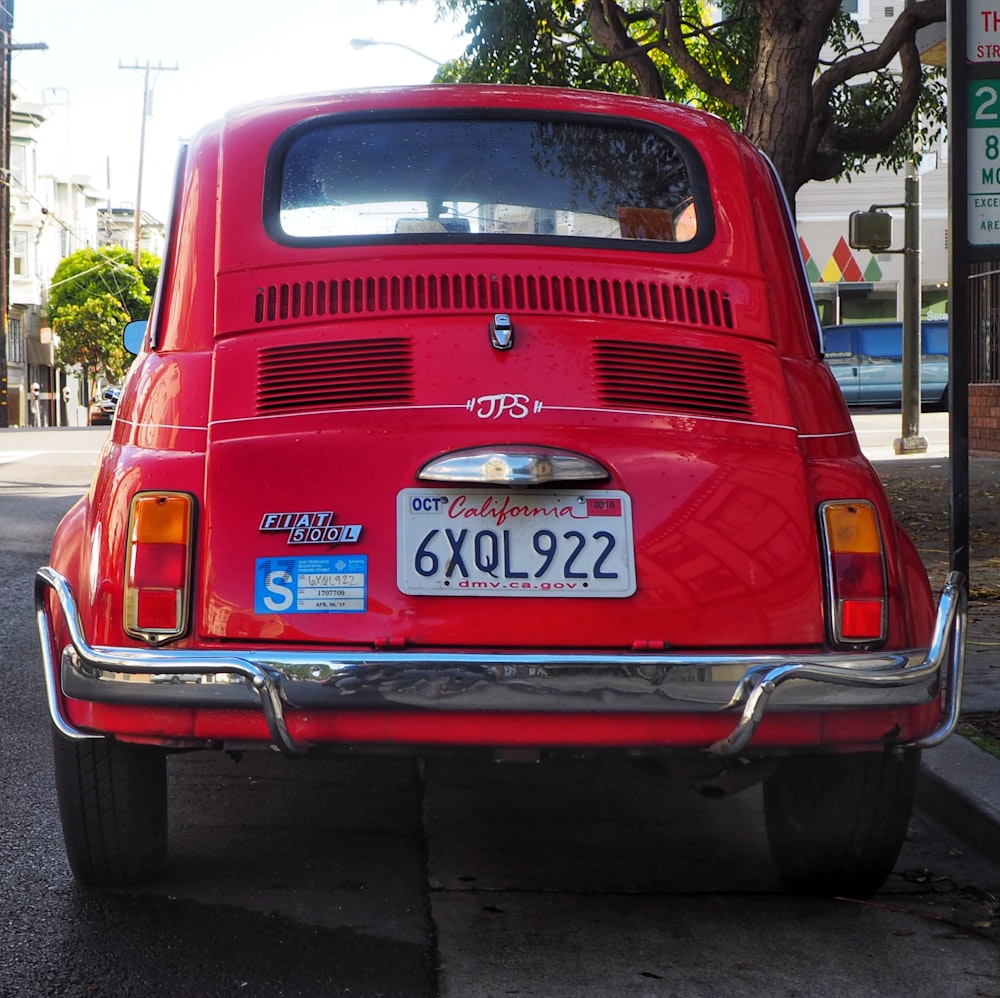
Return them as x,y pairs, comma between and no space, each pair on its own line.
419,293
352,374
672,378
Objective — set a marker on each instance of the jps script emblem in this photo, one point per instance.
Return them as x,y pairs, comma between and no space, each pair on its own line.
512,404
310,528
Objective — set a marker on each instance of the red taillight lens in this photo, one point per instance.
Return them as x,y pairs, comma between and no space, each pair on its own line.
856,576
158,565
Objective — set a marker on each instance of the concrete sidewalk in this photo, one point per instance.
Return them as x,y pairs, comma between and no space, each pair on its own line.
960,787
877,432
959,782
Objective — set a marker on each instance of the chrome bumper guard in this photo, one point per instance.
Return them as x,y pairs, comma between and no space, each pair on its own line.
639,681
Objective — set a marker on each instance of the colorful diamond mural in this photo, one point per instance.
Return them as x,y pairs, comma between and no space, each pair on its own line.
811,269
841,267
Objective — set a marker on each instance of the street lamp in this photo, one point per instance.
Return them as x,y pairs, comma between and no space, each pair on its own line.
363,43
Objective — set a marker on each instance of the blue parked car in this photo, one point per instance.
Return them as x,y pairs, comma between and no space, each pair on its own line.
867,361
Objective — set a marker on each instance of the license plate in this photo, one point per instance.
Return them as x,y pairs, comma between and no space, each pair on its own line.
453,542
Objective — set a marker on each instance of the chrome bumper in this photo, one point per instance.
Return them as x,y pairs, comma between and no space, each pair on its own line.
639,681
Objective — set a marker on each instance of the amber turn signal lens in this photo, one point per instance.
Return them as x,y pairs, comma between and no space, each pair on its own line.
158,565
856,576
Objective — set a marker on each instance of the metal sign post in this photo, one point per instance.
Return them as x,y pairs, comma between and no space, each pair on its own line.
872,230
974,128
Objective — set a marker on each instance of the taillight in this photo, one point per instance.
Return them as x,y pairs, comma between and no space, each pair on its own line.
158,566
856,576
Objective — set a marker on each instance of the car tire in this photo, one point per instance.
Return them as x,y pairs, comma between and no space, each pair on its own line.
113,806
836,823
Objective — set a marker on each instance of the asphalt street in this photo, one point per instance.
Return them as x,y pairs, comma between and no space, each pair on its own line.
459,879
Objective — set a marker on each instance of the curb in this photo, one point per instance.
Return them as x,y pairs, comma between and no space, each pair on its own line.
960,787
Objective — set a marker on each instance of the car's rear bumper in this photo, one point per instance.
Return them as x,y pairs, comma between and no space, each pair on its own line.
276,681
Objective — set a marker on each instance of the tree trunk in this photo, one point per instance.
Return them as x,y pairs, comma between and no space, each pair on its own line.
779,107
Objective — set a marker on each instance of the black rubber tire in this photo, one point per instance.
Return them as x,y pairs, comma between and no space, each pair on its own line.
113,805
836,823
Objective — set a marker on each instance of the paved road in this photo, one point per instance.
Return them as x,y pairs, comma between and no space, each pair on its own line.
457,878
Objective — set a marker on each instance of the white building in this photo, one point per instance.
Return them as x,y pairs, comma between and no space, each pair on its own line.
50,216
53,214
116,227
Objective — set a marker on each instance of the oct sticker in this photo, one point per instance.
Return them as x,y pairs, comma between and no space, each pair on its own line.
311,585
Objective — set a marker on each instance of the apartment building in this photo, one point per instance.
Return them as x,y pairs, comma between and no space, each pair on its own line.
54,213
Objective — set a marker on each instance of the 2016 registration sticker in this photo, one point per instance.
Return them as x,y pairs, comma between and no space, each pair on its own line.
469,543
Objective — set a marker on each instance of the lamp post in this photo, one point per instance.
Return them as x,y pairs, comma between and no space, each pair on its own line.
363,43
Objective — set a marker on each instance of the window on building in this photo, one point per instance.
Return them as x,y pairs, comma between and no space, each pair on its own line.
19,254
866,302
19,164
15,341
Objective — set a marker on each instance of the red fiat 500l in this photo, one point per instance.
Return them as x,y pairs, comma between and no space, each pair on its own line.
491,418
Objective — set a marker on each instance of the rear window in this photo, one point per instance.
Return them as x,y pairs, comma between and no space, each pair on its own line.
881,342
837,344
415,179
936,340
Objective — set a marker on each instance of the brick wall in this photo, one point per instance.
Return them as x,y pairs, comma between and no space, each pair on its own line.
984,419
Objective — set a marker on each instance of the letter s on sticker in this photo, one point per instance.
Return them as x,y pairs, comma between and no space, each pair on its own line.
282,595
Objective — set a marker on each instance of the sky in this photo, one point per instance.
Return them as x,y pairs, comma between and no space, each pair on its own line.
226,53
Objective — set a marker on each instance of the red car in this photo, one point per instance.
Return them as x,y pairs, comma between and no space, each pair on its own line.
491,419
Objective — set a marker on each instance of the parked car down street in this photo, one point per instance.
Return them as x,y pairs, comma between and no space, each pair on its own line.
867,360
102,408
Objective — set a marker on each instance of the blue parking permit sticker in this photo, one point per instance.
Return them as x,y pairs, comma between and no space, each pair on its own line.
338,584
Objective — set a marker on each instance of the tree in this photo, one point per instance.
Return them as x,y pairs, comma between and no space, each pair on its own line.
762,64
92,273
93,293
90,335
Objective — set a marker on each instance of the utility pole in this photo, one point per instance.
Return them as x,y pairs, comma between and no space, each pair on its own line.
872,230
146,95
910,441
6,26
6,47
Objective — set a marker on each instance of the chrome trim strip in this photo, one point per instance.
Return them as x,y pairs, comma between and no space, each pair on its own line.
637,681
954,642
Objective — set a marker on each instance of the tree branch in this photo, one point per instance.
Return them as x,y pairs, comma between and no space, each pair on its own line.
672,44
903,29
608,29
828,141
871,141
